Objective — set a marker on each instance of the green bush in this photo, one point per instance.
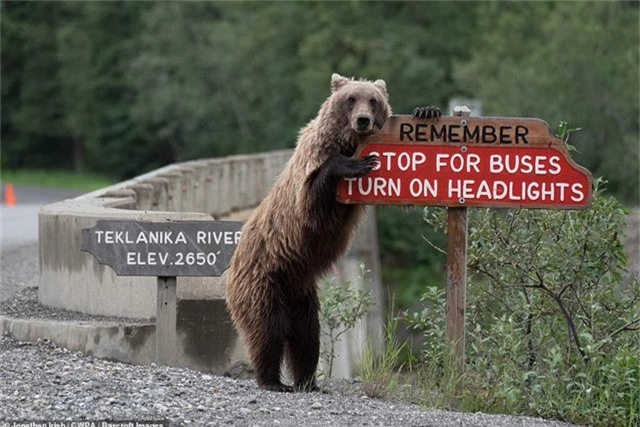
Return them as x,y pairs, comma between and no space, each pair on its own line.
552,316
342,305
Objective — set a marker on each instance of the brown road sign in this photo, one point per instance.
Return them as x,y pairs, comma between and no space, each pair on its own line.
467,161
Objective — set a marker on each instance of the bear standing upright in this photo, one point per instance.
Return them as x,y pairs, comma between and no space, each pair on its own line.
297,233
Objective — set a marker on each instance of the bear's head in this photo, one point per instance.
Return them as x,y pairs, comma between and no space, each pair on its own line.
361,108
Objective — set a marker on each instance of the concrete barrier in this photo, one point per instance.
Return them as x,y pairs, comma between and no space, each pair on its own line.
196,190
222,188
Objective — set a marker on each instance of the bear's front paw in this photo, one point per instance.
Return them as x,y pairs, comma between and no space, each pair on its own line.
371,161
427,112
366,165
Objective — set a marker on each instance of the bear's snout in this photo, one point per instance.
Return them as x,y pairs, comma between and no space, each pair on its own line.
364,123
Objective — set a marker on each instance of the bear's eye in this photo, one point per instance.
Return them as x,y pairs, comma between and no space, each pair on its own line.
351,101
373,103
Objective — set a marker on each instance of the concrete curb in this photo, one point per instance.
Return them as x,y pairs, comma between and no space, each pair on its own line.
207,344
129,343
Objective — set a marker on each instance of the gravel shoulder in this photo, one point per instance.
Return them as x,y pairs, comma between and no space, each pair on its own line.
40,381
19,268
24,304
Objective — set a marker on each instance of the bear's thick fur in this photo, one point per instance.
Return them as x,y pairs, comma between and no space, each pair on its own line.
297,233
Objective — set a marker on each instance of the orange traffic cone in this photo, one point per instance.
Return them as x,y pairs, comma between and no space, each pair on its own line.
9,195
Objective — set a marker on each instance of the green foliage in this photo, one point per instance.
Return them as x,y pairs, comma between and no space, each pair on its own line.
182,101
342,306
432,333
552,315
122,87
112,141
31,113
575,60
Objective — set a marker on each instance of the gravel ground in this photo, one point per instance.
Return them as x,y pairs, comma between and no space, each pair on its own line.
19,268
42,382
24,304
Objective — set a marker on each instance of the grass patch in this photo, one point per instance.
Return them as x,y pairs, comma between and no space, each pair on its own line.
380,369
55,179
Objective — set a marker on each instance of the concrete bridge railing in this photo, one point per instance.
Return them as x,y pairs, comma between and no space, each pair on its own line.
222,189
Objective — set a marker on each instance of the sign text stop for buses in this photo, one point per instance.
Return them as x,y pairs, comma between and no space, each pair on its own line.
469,161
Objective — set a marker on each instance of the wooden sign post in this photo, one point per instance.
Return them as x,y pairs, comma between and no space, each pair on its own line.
456,307
459,162
166,250
166,320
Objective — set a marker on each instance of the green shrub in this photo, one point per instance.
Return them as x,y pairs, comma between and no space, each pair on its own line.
552,316
341,306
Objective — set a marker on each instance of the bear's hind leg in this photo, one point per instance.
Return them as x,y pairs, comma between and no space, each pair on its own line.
303,344
267,352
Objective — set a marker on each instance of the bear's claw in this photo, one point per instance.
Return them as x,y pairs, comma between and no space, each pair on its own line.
360,167
427,112
371,161
366,164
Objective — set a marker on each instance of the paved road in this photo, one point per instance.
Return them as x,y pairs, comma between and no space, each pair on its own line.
20,222
19,236
28,195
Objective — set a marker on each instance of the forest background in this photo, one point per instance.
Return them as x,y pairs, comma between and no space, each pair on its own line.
121,88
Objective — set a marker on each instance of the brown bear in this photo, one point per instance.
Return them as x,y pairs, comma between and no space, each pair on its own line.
298,231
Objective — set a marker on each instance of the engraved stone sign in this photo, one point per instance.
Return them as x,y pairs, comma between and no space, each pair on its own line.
181,248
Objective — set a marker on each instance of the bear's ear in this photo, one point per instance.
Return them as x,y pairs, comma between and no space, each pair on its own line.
337,81
380,84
